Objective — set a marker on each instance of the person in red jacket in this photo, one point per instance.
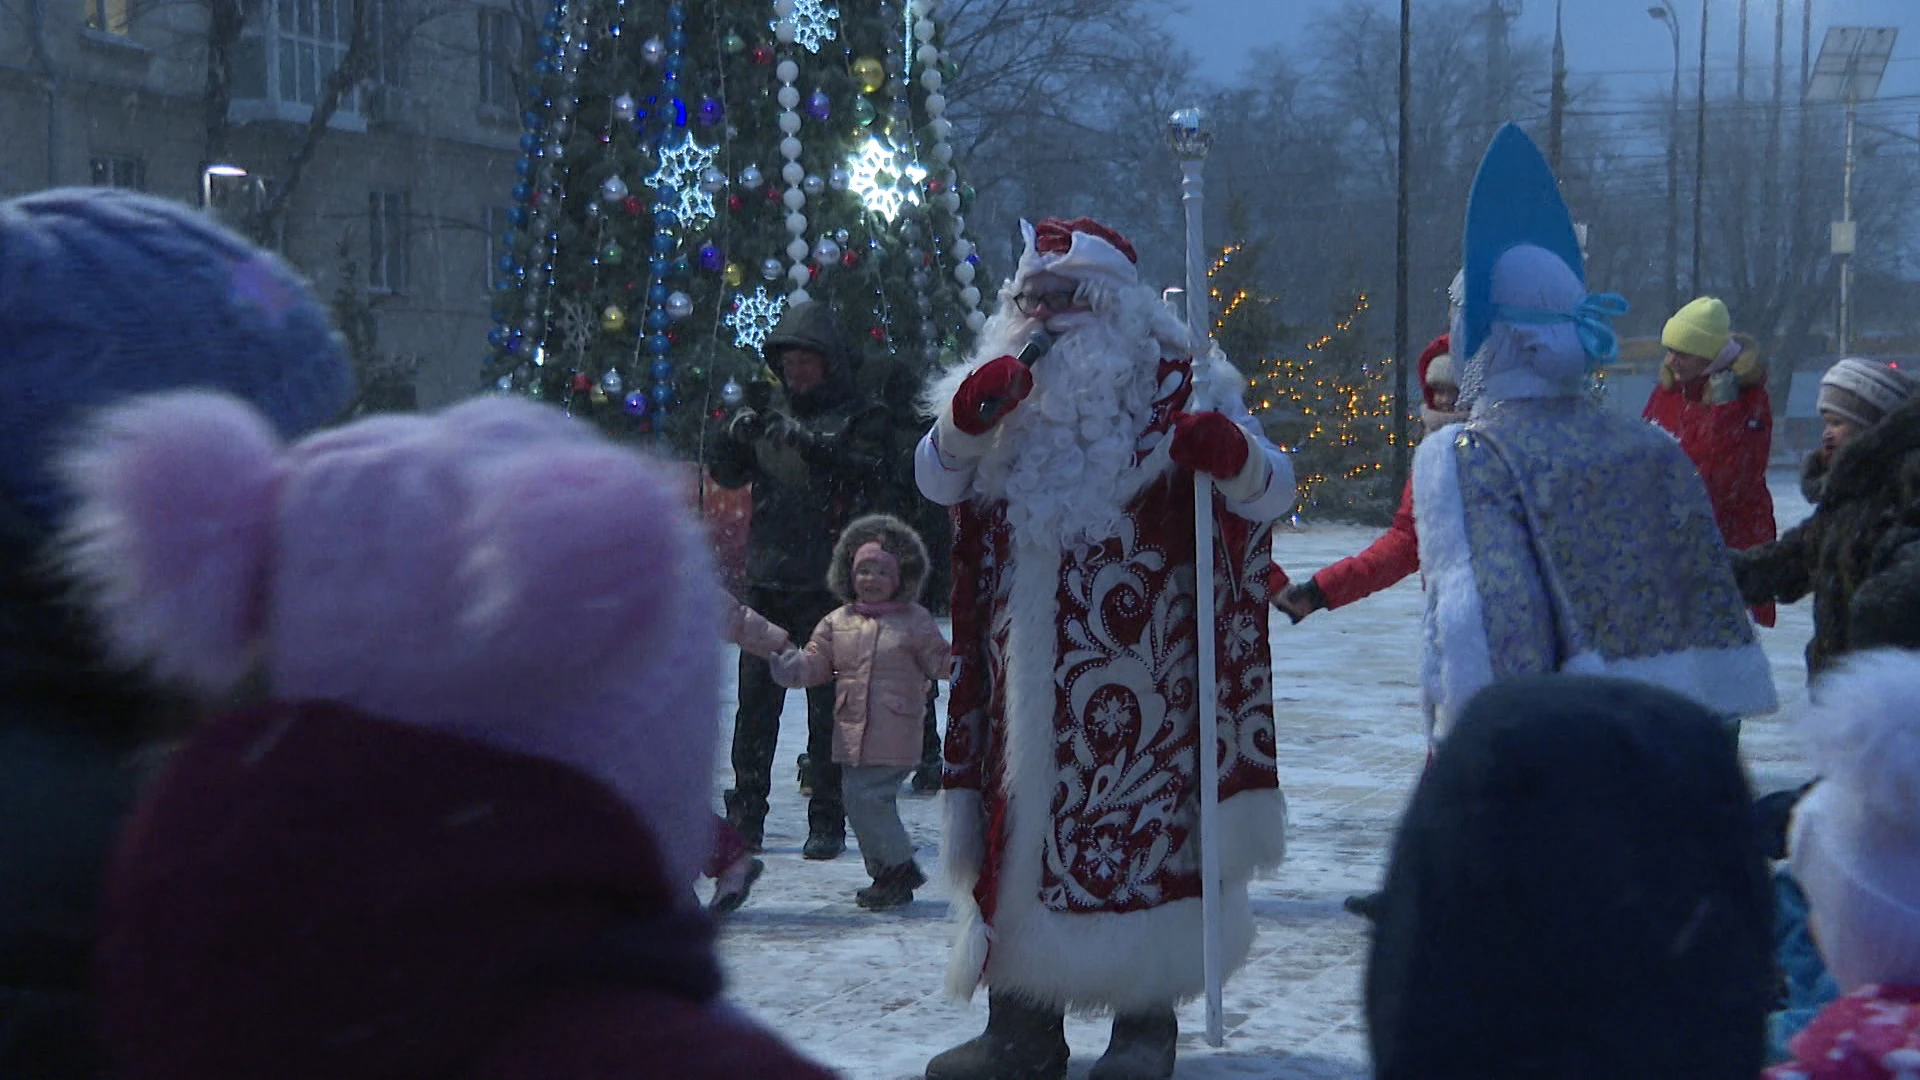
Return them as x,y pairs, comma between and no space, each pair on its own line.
1396,554
1713,398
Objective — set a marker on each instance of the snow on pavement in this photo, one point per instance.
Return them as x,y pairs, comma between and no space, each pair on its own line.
862,992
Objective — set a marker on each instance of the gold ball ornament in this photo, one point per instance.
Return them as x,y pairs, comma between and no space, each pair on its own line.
733,275
613,320
869,73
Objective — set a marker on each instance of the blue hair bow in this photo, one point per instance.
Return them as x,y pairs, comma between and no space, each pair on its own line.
1592,321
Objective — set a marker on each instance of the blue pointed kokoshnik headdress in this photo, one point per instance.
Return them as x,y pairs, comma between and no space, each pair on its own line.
1516,200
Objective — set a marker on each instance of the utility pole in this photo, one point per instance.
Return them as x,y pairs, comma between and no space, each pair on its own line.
1557,110
1700,157
1740,73
1402,333
1664,12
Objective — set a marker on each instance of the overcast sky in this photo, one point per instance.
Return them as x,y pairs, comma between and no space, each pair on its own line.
1611,39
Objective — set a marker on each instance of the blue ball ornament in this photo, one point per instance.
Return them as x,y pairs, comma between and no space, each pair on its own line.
529,142
637,404
711,258
665,219
679,113
662,394
516,344
677,14
497,337
508,265
658,344
543,67
524,167
552,21
657,319
711,112
663,243
530,119
657,293
548,42
676,39
522,192
517,216
662,371
660,267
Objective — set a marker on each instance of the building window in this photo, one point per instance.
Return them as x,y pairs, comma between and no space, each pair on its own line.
499,227
120,172
290,47
499,47
387,241
108,16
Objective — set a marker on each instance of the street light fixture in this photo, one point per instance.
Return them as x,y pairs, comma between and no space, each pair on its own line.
1663,12
1852,62
227,172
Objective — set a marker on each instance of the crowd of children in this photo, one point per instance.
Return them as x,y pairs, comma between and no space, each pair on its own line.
392,787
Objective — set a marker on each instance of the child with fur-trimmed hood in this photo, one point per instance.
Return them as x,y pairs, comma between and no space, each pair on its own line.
881,647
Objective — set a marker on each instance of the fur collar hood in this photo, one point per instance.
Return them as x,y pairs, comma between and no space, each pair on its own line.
900,540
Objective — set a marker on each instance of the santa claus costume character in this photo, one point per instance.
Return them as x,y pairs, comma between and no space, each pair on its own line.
1393,557
1072,774
1556,536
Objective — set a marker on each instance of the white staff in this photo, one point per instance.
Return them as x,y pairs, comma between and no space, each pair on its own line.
1191,140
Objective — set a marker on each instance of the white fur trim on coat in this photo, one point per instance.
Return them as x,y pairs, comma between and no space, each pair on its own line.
1455,662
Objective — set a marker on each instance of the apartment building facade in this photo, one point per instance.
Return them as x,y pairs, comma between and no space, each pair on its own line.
410,180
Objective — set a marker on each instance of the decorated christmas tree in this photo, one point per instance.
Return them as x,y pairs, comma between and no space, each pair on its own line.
691,168
1332,405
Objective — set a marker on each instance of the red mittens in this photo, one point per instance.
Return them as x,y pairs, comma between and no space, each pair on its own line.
1209,443
990,393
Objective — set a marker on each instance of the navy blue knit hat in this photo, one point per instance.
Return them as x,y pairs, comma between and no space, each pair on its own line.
108,294
1575,893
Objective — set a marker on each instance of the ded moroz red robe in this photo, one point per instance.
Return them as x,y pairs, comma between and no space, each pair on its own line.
1072,794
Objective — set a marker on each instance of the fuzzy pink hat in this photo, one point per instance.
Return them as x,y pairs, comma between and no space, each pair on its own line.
496,570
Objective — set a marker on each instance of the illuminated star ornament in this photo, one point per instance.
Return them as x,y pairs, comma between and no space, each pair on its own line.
680,169
754,317
875,174
812,23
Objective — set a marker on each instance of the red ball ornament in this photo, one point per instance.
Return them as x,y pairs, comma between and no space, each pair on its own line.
878,334
606,137
773,194
582,382
632,205
813,273
735,204
673,337
631,286
936,186
849,258
762,53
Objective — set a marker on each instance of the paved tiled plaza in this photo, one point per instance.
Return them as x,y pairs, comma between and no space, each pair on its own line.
862,991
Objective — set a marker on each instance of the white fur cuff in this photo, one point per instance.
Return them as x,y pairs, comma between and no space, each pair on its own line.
1252,479
956,444
963,837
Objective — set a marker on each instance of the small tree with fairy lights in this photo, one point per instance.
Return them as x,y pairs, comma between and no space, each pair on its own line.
1332,405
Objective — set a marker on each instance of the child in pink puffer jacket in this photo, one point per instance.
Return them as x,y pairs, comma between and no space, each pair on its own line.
881,648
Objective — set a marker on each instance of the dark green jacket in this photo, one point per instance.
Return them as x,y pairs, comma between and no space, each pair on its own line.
1868,495
805,490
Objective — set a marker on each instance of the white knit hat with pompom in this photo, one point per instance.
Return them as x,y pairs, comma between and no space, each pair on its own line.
1856,836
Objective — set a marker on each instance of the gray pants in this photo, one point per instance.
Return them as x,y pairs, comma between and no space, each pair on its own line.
871,793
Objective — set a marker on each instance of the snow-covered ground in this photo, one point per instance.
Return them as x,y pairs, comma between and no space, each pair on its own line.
862,991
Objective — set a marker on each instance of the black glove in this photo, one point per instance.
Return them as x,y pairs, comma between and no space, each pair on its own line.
784,430
745,427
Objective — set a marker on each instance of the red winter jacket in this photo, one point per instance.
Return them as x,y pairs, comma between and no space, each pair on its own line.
1725,425
1389,559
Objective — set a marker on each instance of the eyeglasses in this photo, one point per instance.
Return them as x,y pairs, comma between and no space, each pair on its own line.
1056,300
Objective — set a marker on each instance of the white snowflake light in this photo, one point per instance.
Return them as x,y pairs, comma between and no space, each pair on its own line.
680,169
577,326
875,174
754,317
812,23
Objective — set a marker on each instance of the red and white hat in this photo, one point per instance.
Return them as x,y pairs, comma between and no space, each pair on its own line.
1081,249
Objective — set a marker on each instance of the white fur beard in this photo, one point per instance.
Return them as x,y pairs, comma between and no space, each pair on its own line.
1064,460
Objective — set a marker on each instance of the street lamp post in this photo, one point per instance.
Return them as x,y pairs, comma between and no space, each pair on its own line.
1700,158
1664,13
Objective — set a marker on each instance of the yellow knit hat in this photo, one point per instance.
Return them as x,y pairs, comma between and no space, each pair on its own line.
1699,329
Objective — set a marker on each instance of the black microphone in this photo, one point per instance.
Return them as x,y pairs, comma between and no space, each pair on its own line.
1036,347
